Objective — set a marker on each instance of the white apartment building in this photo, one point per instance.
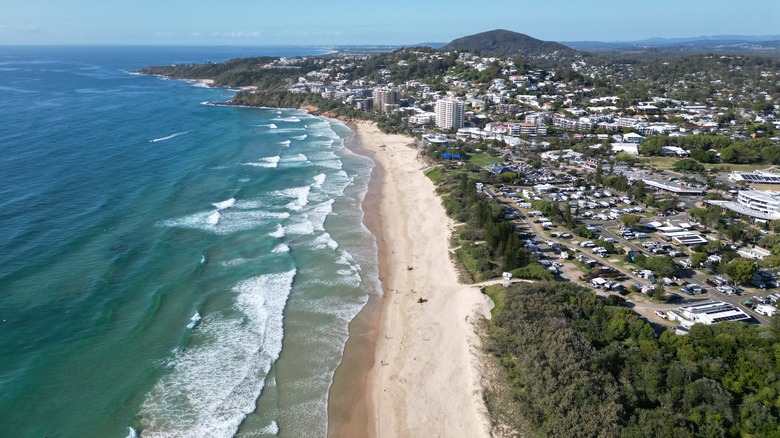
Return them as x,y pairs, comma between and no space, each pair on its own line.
449,113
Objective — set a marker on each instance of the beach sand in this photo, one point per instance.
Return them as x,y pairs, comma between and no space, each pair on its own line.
410,368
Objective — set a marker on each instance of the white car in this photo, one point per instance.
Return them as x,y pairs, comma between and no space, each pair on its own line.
661,314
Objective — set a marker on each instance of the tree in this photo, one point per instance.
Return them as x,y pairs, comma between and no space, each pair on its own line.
741,270
662,266
629,220
667,204
698,259
688,165
598,177
638,190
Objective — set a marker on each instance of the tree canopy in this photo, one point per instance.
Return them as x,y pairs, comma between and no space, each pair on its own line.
582,366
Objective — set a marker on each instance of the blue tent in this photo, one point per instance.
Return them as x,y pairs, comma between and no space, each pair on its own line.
446,156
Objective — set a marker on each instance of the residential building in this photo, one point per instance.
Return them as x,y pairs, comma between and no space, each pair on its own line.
449,113
386,99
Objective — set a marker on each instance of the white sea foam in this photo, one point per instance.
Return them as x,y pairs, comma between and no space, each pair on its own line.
266,162
230,221
169,137
278,233
311,220
346,259
301,225
132,433
319,180
225,204
323,241
300,195
288,119
285,143
214,218
298,160
281,248
235,262
271,429
287,130
300,137
249,204
319,212
194,321
214,385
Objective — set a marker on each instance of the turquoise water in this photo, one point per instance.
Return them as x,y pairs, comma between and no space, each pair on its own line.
129,206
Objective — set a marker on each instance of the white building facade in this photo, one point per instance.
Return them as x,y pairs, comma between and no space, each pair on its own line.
449,113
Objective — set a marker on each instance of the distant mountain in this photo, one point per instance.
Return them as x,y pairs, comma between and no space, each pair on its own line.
715,38
507,43
431,45
715,43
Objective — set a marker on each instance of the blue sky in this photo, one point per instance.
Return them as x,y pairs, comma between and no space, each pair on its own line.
322,22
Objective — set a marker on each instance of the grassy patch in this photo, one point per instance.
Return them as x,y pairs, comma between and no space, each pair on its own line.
468,263
581,266
497,293
662,162
436,174
484,160
725,167
668,162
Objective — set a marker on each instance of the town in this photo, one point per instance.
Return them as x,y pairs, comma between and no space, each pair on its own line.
651,184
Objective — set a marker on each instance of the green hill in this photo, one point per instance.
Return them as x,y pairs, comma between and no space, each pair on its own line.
507,43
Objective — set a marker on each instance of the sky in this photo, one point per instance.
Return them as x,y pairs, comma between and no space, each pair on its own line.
354,22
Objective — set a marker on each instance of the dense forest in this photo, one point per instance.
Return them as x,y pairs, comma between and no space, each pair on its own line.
238,72
583,366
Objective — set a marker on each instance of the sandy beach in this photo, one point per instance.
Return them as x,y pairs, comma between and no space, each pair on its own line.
420,368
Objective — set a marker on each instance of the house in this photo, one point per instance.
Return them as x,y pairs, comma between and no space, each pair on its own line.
674,151
500,169
633,137
627,147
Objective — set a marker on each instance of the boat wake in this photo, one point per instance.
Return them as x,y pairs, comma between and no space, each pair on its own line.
155,140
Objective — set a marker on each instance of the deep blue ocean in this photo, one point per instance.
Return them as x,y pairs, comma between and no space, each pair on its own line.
168,267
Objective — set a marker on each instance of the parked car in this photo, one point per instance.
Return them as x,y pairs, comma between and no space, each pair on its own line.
661,314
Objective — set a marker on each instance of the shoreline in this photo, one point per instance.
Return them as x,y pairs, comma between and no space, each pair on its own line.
409,368
349,410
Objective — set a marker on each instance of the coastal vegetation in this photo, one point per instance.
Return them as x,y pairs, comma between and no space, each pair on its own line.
488,243
583,366
238,72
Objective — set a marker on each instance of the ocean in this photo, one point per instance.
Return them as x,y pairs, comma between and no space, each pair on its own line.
170,268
